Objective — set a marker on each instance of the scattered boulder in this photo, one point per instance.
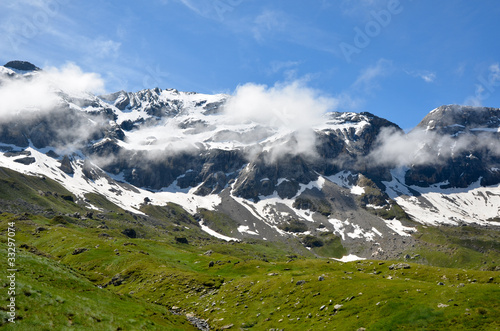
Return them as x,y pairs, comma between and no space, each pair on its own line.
181,240
130,233
199,323
300,282
17,153
79,251
398,266
117,280
26,160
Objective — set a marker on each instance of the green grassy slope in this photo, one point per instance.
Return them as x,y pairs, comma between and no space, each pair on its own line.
87,274
53,296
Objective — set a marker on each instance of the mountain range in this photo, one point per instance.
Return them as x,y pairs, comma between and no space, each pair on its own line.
169,210
356,176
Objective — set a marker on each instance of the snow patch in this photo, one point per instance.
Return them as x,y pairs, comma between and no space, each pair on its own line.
357,190
246,229
435,205
399,228
349,258
216,234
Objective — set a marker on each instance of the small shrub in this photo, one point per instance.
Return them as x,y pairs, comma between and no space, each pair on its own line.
295,226
312,241
59,220
130,233
68,198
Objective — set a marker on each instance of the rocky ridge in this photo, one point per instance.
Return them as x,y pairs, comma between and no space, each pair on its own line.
183,147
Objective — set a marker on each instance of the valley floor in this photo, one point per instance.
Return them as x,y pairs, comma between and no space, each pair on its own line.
74,275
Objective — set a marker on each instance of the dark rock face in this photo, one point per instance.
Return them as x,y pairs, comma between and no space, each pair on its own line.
334,154
453,119
61,127
21,65
459,172
26,160
13,134
284,176
475,131
66,166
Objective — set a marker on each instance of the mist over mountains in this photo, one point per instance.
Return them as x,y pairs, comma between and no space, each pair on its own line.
278,161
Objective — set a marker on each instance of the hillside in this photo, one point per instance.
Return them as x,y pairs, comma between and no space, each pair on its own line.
161,209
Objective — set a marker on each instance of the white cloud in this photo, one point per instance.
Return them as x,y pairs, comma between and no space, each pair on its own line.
486,86
422,147
291,107
368,78
105,48
460,70
361,8
426,75
39,92
215,10
494,72
277,66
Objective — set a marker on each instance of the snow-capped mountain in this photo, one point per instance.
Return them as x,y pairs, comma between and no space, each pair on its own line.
357,176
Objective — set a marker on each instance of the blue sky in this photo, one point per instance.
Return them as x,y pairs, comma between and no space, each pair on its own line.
396,59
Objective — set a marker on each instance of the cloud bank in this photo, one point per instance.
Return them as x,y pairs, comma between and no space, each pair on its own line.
421,147
38,92
34,105
287,108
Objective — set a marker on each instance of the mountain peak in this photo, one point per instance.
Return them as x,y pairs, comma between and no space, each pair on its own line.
21,65
459,116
